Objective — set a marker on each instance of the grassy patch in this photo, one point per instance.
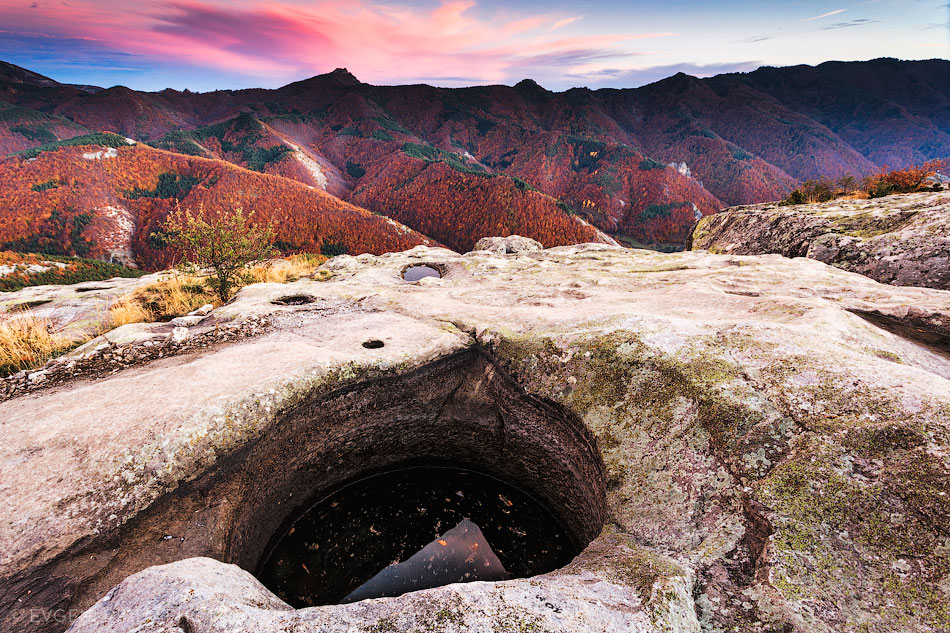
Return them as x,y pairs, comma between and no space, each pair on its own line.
181,294
27,342
162,301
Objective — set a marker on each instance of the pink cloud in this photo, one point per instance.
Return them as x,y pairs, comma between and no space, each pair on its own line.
281,40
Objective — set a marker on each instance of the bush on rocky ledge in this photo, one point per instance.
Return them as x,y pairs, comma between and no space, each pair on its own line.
907,180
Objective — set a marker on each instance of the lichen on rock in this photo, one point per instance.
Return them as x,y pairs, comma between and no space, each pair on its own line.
901,239
772,436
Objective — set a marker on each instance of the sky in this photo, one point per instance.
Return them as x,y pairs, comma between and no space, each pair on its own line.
206,45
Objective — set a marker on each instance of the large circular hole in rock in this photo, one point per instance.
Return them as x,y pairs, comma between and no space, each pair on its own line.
420,271
411,529
462,411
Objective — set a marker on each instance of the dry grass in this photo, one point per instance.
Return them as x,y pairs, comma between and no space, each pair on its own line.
161,301
127,310
175,296
27,342
181,294
281,271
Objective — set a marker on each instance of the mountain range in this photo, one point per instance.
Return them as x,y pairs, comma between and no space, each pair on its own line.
344,166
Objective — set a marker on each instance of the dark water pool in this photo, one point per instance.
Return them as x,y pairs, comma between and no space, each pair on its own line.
415,273
442,524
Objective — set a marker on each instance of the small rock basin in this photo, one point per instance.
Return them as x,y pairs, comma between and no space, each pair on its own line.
412,529
420,271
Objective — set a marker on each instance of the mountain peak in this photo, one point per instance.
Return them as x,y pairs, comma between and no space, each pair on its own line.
528,83
531,87
343,76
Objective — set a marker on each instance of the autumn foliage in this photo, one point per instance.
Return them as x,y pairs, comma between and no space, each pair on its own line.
907,180
886,182
452,165
92,210
459,208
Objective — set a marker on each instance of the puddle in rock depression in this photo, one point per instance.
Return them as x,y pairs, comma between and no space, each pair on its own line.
415,273
413,529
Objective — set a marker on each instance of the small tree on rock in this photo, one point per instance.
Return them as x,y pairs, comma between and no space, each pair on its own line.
222,244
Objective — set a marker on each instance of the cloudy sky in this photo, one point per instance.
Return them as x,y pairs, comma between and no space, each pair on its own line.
209,44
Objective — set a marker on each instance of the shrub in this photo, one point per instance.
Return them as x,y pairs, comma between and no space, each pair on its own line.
223,244
810,191
907,180
181,294
824,190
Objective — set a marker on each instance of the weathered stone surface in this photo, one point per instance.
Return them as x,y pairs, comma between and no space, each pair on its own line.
187,321
77,311
902,239
178,335
204,310
510,244
774,438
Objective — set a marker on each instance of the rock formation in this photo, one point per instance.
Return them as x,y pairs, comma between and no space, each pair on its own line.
902,239
746,443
